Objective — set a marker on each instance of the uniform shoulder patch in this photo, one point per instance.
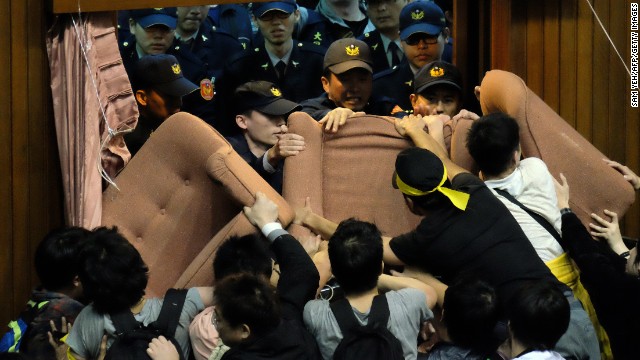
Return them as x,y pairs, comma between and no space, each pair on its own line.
311,47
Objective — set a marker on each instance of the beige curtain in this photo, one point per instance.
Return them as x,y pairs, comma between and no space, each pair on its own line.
93,103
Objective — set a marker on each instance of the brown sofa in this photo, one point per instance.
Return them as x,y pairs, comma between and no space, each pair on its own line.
545,135
348,174
179,197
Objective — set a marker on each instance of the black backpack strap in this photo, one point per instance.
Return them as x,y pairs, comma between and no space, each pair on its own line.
537,217
379,313
344,315
123,321
169,316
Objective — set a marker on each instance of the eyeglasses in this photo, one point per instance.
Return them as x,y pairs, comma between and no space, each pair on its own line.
270,15
214,318
415,39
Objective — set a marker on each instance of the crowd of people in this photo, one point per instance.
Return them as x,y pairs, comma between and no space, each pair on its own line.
498,268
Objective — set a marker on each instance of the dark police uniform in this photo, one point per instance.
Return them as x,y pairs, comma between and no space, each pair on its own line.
378,53
396,83
203,72
300,82
235,20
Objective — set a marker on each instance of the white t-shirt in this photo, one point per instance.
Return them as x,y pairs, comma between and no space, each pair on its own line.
532,185
540,355
407,311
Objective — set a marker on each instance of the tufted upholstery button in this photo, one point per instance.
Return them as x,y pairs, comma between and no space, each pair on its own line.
163,211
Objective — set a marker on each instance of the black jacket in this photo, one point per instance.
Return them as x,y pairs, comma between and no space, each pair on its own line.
614,294
239,144
297,285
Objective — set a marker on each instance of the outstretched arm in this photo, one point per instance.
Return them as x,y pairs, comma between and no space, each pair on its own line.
436,285
319,225
608,230
388,282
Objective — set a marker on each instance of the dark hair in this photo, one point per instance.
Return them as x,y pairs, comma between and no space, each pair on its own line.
248,299
113,273
248,253
471,313
539,315
327,74
355,253
491,141
56,257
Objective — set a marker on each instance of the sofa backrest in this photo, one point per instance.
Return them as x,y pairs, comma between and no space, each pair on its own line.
544,134
183,186
348,174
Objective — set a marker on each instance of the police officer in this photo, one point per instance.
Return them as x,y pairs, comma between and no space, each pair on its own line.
152,32
384,41
158,86
423,34
294,67
195,33
347,82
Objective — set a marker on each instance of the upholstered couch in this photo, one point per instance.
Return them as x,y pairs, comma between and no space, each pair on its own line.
179,197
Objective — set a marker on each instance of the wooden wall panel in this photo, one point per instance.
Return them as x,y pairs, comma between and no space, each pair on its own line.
562,53
6,234
20,152
30,182
551,54
601,68
568,60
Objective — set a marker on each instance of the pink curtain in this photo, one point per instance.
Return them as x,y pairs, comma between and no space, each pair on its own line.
93,103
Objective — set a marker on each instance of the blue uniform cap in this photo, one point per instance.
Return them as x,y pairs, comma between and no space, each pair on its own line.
421,17
261,8
155,16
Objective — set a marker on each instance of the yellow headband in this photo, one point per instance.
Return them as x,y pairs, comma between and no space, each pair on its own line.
459,199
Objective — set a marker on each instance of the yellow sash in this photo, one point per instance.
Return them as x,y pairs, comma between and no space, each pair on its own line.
565,270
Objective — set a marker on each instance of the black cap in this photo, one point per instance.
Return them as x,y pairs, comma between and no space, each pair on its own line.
261,8
264,97
437,72
162,72
419,168
155,16
421,17
346,54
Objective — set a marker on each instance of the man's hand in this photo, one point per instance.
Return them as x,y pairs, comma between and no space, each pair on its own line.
609,230
302,213
466,114
338,117
629,175
409,124
54,335
263,211
162,349
562,192
287,145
